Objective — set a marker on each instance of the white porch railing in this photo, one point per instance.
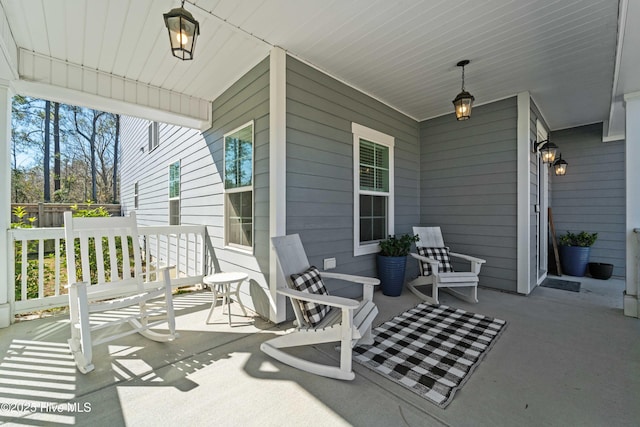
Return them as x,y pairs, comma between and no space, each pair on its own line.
40,283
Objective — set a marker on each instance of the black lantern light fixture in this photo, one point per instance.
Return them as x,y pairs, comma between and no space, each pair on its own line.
183,32
547,150
560,166
464,100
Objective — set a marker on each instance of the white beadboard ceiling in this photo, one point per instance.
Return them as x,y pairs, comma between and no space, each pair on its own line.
403,52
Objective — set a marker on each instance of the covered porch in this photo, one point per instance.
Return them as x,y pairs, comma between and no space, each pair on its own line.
564,359
550,66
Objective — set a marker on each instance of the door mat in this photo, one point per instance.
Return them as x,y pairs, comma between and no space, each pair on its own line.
564,285
431,350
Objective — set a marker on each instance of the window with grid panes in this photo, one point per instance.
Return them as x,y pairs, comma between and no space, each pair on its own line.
238,185
154,135
135,195
174,193
373,154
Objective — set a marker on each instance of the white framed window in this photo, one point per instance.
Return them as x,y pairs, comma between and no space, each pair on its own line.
174,193
154,135
135,195
238,187
373,193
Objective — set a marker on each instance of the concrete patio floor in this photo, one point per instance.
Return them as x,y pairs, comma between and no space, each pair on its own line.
565,359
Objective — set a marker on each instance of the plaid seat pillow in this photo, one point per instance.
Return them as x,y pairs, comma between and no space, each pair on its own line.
311,282
439,254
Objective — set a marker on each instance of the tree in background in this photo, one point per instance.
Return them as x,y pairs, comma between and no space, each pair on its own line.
86,144
46,163
26,142
56,150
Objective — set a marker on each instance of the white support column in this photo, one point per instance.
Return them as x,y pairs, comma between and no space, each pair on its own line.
5,202
632,150
277,171
524,194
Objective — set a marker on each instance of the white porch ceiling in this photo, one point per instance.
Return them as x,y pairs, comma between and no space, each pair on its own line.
401,52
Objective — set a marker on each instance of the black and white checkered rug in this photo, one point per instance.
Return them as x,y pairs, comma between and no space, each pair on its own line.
431,350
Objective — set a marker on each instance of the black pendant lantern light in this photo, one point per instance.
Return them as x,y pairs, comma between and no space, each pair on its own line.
464,100
183,32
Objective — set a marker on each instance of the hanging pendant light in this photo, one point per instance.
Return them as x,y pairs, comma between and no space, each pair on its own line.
464,100
560,166
183,32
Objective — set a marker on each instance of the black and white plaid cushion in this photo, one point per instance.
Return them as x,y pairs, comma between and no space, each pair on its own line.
439,254
310,281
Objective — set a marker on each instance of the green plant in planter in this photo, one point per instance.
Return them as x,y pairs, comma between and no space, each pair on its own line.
574,252
397,246
582,239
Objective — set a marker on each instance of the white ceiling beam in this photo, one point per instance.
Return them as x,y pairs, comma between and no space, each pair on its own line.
56,80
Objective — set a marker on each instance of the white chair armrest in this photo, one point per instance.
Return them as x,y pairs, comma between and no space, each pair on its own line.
330,300
75,285
351,278
157,269
425,259
467,257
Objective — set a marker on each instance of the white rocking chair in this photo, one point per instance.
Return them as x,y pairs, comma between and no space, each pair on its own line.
104,241
348,321
436,271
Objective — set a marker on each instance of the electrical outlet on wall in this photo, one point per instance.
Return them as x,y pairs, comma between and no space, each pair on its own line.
329,263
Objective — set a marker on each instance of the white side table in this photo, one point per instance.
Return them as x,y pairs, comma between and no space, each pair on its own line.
225,280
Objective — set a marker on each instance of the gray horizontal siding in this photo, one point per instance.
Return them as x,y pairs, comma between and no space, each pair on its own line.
247,99
151,169
201,195
468,187
320,111
591,196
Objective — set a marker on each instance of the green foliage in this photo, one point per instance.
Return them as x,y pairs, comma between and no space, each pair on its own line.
393,246
100,211
90,212
583,239
31,249
21,212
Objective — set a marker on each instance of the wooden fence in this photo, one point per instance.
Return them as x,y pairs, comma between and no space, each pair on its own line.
52,214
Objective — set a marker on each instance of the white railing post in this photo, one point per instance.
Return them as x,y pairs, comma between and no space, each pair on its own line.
5,205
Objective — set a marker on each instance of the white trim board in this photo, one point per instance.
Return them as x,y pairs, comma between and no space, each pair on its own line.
524,194
277,173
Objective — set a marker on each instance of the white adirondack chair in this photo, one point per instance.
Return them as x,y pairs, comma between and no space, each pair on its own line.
117,284
348,322
463,284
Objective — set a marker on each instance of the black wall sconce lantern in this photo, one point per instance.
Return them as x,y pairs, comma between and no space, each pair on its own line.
464,100
560,166
547,150
183,32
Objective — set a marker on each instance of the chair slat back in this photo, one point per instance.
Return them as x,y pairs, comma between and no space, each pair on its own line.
430,237
292,259
291,254
101,240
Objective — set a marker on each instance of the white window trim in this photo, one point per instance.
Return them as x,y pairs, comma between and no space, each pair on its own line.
169,198
363,132
235,246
